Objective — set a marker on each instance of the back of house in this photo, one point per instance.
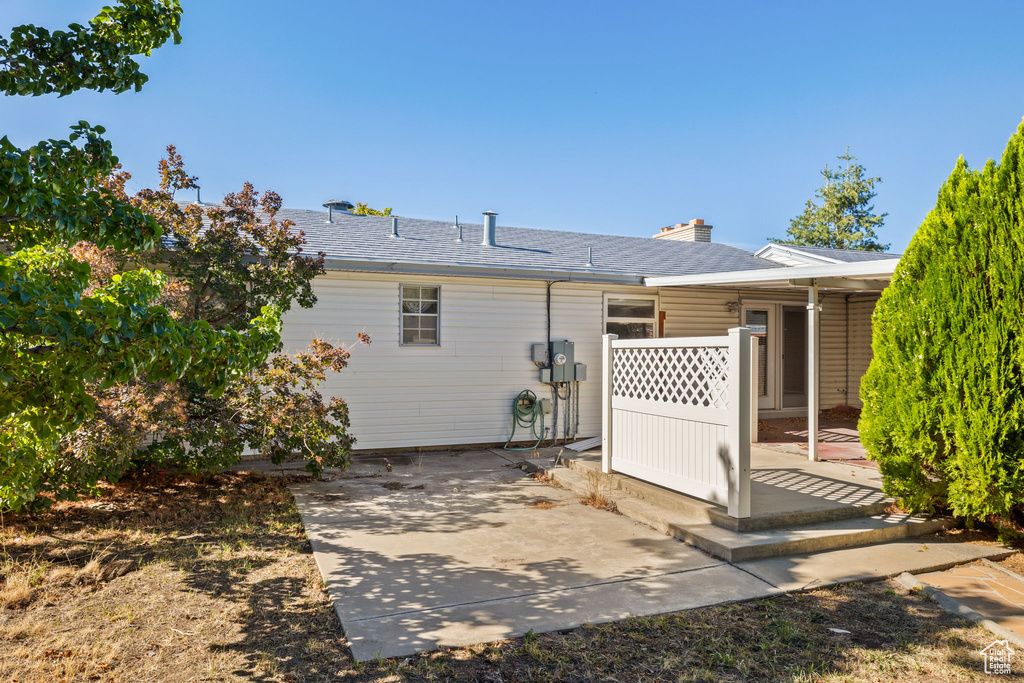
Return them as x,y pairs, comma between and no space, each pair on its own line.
462,318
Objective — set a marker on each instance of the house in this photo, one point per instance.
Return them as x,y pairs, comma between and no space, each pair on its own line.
455,309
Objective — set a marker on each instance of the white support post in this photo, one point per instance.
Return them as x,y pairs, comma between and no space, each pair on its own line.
813,371
739,422
754,374
606,402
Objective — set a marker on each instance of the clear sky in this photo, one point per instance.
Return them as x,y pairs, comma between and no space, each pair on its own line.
592,116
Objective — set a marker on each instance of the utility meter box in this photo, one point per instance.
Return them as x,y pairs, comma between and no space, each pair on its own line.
581,372
563,363
539,352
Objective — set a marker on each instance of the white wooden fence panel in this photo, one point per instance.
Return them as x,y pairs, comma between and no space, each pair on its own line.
677,413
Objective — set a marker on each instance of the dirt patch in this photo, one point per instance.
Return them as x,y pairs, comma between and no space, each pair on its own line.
1015,563
172,578
841,413
541,504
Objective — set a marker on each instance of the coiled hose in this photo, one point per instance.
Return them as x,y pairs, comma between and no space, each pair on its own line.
526,413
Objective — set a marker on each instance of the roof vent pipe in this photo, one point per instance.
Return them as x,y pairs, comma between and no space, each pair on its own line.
394,226
490,218
590,257
339,205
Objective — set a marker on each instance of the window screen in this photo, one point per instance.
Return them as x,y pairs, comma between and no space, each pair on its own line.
421,312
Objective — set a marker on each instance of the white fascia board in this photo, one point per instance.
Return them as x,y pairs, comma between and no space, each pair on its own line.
766,251
864,270
473,270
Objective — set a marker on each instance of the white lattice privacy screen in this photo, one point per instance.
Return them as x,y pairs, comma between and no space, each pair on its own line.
676,412
696,375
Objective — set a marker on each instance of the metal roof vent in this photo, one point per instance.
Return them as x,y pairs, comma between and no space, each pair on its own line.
339,205
459,227
394,226
490,219
590,257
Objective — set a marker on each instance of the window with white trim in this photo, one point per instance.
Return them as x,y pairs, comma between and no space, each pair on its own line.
421,315
631,316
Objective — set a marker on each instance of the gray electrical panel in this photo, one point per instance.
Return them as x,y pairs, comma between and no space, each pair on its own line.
557,362
563,364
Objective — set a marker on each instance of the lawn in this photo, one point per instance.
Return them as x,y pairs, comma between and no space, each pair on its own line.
175,578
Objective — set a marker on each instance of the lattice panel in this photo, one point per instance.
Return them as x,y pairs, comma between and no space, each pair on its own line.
692,375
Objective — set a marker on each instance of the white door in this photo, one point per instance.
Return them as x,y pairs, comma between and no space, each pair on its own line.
761,321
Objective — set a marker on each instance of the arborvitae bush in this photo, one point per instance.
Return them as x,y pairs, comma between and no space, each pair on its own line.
944,396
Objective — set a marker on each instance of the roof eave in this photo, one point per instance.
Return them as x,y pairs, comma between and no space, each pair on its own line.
794,276
471,270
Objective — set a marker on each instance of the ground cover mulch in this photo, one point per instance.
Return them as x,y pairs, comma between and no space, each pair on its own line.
177,578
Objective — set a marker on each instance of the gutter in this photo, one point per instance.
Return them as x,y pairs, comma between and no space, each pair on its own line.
510,272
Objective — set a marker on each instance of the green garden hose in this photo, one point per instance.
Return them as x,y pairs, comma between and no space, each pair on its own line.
526,413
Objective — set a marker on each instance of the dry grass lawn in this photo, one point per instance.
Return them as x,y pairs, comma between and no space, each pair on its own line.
172,578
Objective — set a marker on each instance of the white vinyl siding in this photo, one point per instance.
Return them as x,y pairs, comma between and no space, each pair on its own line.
861,309
461,392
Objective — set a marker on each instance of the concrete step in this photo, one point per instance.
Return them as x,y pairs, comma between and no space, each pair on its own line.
693,509
738,546
659,517
694,521
825,513
619,487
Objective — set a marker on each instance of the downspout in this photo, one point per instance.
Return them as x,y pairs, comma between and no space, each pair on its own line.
554,387
552,282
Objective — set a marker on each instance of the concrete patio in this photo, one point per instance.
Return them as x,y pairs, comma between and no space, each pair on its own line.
461,548
838,439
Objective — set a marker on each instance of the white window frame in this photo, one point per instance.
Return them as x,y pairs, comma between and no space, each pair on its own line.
624,295
402,314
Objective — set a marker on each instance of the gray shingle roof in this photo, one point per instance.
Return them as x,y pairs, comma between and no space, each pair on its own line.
845,255
367,238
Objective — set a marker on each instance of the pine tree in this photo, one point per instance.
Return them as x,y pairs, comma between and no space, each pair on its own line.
845,219
944,395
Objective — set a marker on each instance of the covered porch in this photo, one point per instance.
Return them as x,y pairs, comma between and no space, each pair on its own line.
792,347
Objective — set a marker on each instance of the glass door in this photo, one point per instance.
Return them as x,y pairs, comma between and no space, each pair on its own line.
794,357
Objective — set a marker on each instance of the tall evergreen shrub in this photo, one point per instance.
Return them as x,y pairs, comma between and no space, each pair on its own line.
944,395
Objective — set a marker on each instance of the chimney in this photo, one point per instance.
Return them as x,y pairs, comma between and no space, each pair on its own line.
694,231
490,217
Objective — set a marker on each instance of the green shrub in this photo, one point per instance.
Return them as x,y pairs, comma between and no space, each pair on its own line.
944,395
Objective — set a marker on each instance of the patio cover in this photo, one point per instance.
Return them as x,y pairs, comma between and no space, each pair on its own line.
864,276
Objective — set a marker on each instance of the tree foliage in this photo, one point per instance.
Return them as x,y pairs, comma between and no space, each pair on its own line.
36,61
225,261
944,395
363,210
845,219
86,327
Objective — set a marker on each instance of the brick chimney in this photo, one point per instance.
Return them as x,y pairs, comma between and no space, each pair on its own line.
694,231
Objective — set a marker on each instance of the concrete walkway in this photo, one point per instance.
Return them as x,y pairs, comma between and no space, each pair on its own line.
449,550
988,589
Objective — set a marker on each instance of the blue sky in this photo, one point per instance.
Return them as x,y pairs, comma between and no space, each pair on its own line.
592,116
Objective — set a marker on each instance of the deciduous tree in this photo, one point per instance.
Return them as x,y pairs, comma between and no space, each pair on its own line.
84,324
